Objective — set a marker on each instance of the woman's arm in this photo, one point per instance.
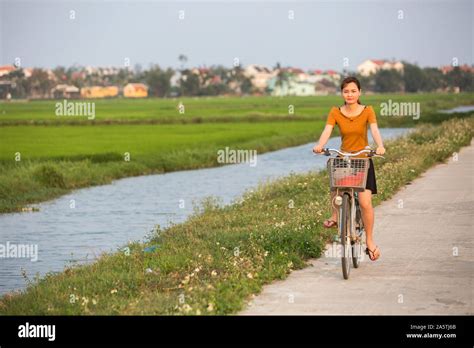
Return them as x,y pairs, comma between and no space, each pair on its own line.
374,129
323,139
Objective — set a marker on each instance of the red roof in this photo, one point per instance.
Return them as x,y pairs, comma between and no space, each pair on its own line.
447,68
293,70
139,86
378,61
7,68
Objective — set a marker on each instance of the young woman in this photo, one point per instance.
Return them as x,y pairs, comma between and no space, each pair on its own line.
352,119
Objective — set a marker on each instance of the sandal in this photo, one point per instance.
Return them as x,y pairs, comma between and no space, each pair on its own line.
330,223
368,252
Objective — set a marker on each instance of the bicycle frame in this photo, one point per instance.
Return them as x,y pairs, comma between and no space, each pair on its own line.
352,222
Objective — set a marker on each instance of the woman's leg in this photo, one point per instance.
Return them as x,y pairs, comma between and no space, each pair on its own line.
365,201
333,210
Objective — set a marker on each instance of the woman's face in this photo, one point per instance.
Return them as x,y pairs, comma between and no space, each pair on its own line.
351,93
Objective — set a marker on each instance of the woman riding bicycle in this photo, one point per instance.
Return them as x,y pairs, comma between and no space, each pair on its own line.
352,119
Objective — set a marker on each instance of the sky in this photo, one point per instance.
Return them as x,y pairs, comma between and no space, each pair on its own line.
305,34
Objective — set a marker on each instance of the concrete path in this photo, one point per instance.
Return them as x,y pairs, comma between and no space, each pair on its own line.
425,233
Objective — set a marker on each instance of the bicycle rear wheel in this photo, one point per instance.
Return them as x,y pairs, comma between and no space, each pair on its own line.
345,236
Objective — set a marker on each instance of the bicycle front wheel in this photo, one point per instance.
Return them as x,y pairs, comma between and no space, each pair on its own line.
346,235
357,251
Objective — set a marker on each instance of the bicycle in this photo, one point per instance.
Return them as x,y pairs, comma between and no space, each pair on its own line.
348,177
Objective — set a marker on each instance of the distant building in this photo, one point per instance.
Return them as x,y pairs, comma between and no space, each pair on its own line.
27,72
296,82
101,71
290,87
447,68
99,92
6,69
175,80
319,75
65,91
259,75
135,90
371,66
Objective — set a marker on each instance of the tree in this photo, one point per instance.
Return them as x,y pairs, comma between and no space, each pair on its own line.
20,85
190,84
41,85
388,81
282,77
158,81
460,78
434,80
183,59
413,77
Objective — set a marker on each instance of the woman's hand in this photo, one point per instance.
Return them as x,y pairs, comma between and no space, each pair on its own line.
317,148
380,150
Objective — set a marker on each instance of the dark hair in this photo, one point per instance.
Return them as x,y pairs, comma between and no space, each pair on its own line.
348,80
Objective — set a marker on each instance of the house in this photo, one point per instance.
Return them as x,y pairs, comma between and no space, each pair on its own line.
292,86
320,75
259,75
175,80
447,68
6,69
371,66
135,90
65,91
27,72
99,92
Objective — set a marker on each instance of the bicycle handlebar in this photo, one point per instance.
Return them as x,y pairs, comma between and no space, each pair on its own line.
370,153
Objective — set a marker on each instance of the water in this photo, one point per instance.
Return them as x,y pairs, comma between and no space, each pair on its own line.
463,108
107,217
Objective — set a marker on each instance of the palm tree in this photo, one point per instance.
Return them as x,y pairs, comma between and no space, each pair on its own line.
183,59
282,76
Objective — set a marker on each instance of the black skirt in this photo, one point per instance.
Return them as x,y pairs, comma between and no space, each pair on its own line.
371,183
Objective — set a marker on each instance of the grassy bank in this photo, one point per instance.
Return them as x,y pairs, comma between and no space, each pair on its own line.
55,160
219,257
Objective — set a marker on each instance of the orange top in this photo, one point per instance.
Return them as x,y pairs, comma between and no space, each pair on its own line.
353,129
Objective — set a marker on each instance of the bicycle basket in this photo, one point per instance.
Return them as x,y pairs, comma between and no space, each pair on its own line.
350,174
